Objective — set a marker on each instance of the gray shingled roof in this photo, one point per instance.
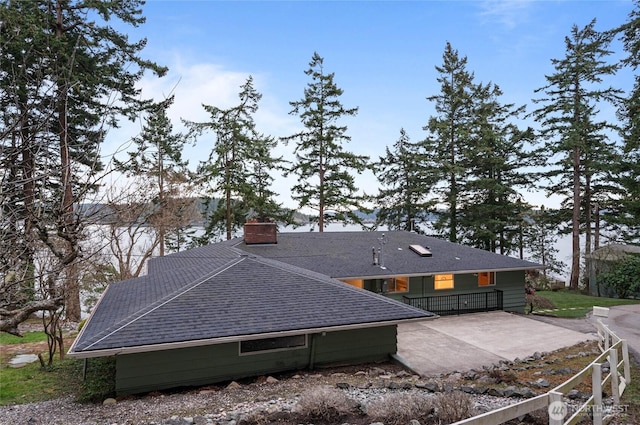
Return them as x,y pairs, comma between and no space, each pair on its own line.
349,254
219,292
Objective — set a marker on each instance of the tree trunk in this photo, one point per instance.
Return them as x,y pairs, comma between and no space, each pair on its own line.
72,290
575,222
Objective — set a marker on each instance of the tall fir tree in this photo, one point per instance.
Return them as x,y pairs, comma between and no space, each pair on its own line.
449,134
497,160
403,200
574,140
323,166
157,160
238,167
625,214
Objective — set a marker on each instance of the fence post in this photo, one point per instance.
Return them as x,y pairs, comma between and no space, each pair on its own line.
615,383
596,388
625,359
557,409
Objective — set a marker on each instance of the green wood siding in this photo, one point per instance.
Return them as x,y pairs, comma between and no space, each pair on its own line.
193,366
511,283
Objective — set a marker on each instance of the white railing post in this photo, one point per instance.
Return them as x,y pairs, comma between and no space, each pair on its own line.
557,409
615,383
596,388
625,359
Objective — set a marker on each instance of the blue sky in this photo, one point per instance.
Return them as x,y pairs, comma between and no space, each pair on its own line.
383,54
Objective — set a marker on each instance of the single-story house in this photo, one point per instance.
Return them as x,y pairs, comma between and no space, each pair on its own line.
272,302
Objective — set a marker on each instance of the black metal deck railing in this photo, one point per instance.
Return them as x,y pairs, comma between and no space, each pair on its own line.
445,305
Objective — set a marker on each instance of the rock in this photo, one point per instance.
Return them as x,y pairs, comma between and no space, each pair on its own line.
338,374
571,356
471,375
376,371
233,385
360,373
485,379
414,422
343,385
510,391
296,377
365,386
525,392
537,355
541,383
496,392
467,389
109,401
403,374
199,420
271,380
563,371
429,386
573,394
393,385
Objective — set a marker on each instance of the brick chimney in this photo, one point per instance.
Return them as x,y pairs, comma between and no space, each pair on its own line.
260,233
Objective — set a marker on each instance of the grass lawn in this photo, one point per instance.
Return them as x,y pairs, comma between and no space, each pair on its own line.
579,304
33,383
6,338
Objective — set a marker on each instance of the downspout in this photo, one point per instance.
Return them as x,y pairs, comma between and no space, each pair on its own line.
312,351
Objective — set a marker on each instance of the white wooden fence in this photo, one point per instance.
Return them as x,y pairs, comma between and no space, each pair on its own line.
613,348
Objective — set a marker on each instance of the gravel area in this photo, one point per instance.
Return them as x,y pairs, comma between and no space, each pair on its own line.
225,405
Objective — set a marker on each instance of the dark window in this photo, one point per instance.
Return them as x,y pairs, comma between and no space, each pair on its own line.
270,344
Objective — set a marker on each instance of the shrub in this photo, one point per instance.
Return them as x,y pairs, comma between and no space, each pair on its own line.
399,409
100,382
453,406
324,403
540,303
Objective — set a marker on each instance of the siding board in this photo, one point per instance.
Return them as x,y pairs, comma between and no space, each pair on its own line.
193,366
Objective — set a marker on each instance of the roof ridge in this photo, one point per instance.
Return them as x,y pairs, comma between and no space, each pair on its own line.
133,317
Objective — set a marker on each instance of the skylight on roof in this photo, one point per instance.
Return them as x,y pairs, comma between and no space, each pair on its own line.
420,250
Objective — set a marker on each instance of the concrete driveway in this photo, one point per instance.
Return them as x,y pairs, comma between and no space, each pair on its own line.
458,343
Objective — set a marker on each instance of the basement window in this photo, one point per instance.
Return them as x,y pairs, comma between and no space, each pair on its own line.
486,278
443,281
282,343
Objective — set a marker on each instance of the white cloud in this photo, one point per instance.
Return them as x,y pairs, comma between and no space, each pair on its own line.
508,13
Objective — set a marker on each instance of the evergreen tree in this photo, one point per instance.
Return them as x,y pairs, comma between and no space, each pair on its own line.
157,160
492,204
540,237
450,132
625,214
574,140
261,197
238,167
322,164
403,201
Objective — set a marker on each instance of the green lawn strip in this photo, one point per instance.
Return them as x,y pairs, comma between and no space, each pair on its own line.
572,304
6,338
32,383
